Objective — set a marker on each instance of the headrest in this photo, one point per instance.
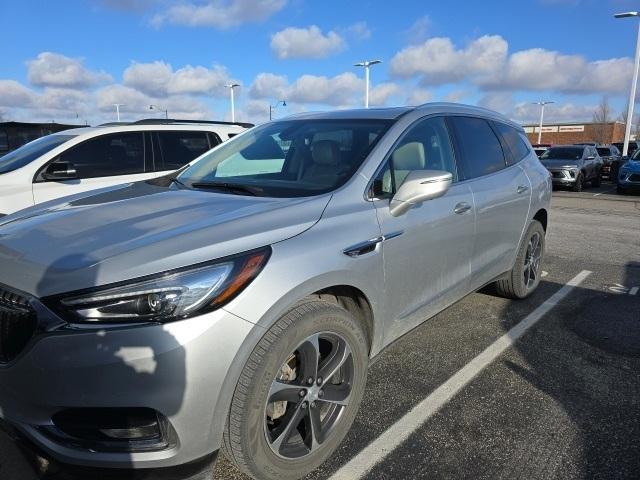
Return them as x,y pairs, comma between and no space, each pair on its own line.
325,152
409,156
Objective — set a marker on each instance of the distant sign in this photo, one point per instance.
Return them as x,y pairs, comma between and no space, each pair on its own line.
555,129
571,128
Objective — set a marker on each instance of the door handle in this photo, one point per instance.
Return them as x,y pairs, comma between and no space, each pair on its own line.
461,208
522,189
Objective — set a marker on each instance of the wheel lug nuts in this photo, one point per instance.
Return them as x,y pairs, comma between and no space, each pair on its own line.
304,405
310,381
302,392
319,382
313,404
321,393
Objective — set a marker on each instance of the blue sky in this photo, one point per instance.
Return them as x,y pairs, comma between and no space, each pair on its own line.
70,60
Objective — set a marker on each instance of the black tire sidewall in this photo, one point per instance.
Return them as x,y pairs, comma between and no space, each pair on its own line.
318,316
517,274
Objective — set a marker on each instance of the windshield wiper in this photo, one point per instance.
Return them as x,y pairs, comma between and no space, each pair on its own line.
229,187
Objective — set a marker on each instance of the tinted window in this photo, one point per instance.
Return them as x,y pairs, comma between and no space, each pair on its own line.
180,147
290,158
563,153
29,152
4,141
425,146
478,149
604,151
108,155
516,146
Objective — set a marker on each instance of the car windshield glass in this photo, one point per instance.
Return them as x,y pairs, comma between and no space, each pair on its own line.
563,153
30,151
289,158
604,152
635,156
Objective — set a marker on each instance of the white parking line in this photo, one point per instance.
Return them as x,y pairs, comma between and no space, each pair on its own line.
393,437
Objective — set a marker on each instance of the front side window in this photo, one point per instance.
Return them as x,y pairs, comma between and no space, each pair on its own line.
425,146
478,149
107,155
514,143
31,151
180,147
563,153
290,158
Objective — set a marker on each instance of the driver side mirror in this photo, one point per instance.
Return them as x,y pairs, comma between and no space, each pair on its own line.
419,186
60,170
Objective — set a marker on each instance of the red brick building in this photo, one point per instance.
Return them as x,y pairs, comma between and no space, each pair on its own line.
574,132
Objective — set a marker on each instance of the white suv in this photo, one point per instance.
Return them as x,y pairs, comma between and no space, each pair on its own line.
81,159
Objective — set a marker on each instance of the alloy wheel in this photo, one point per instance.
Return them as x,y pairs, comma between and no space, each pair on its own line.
532,260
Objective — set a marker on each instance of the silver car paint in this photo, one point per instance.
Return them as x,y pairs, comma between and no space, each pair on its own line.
92,241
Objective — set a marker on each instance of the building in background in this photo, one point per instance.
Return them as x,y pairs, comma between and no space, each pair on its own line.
575,132
16,134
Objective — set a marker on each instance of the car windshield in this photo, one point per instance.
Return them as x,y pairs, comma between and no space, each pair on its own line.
289,158
563,153
635,156
30,151
604,152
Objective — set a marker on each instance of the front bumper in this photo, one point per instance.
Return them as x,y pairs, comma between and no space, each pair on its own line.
629,180
563,176
177,369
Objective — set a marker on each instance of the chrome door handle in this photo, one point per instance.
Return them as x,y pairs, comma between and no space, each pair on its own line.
522,189
461,208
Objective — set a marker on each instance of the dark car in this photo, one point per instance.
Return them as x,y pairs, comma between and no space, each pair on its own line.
573,165
633,146
611,161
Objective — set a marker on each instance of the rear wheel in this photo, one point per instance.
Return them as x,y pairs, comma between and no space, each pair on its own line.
596,181
524,277
298,394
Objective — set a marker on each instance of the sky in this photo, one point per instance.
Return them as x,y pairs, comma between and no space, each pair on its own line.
72,60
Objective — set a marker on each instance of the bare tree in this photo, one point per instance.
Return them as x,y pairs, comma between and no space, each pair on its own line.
601,119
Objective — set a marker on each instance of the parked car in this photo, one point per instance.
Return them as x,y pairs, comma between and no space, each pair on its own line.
611,160
540,148
573,165
81,159
236,304
633,146
629,175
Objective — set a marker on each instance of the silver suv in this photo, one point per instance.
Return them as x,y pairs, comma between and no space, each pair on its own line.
236,305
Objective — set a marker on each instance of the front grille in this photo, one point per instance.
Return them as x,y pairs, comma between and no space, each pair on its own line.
18,323
557,174
634,177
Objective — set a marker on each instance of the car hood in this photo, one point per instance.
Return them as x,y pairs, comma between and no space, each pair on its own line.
632,166
561,163
139,229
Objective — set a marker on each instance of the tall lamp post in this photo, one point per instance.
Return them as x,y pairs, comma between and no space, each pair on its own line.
634,82
273,107
367,65
166,112
118,105
231,86
542,104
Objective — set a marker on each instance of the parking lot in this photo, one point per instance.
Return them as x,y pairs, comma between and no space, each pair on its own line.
563,401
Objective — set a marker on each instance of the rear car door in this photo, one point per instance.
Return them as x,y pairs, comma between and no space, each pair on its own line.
99,162
501,192
173,149
427,250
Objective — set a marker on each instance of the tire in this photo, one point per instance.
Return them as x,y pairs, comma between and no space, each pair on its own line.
251,433
620,190
577,186
514,285
596,181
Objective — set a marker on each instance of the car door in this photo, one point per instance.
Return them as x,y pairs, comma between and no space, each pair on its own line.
501,192
98,162
426,251
173,149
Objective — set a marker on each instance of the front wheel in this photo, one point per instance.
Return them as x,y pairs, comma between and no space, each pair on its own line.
596,181
524,277
298,394
577,186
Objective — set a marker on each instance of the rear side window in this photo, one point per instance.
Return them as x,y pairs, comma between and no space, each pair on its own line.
180,147
108,155
516,148
478,150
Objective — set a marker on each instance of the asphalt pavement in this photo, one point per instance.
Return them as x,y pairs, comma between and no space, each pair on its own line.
561,401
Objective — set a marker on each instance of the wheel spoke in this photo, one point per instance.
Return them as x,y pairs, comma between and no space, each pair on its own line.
313,429
288,426
338,394
309,357
338,357
283,392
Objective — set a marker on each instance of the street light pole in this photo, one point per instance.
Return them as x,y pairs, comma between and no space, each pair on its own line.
273,107
118,105
542,104
367,65
231,86
634,82
166,112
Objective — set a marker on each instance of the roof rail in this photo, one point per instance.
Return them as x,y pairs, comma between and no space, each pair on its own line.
171,121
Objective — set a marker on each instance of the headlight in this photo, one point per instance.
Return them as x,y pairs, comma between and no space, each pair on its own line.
169,296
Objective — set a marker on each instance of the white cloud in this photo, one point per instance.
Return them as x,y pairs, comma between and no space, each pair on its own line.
50,69
159,79
359,30
222,14
419,96
308,42
526,112
455,96
14,94
381,94
417,32
268,85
